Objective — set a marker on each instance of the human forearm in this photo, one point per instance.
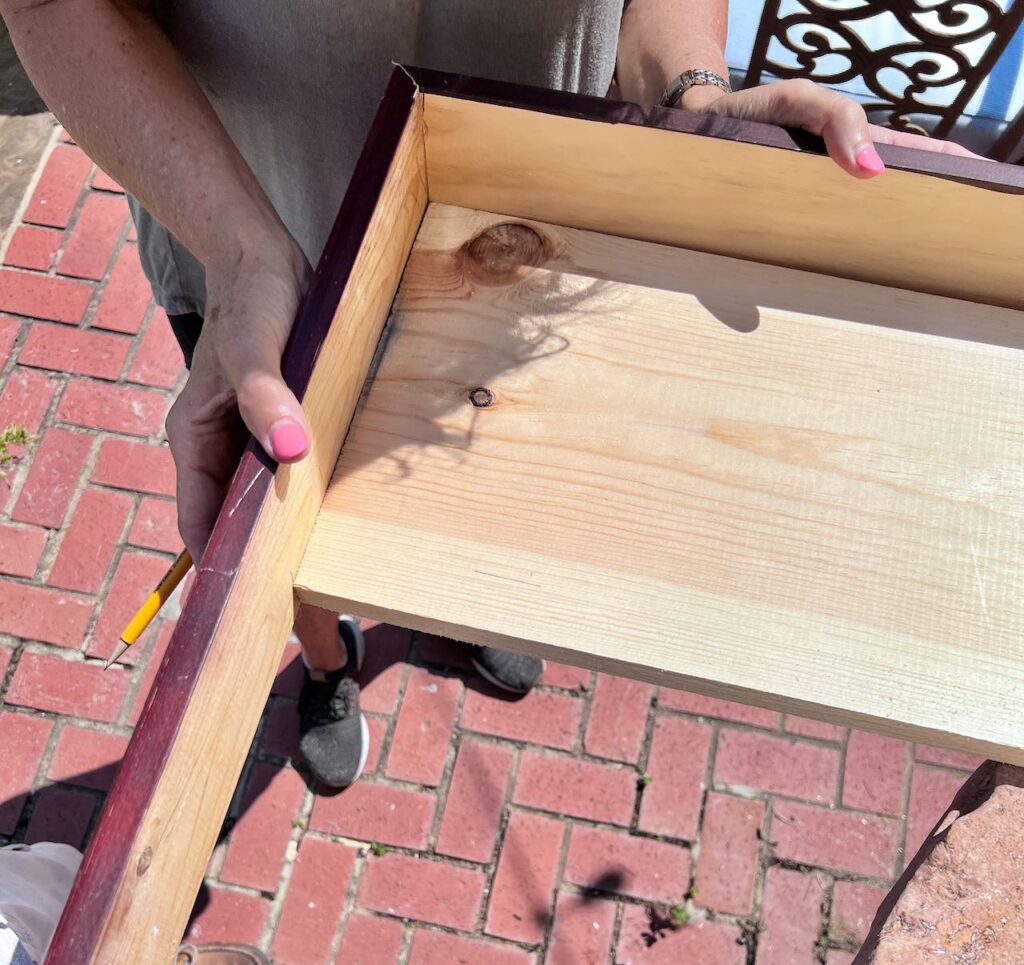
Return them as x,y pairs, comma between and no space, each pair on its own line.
109,74
661,38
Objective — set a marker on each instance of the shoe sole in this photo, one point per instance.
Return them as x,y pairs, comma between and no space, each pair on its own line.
364,731
359,641
491,679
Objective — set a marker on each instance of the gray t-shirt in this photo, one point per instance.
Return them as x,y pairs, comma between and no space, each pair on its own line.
296,86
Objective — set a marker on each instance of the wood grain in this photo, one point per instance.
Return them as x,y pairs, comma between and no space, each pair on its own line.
781,207
968,169
761,483
140,877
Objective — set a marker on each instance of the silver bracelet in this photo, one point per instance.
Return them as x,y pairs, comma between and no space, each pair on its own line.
692,78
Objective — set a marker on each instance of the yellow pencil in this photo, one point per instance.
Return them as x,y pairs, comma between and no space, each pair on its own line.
151,607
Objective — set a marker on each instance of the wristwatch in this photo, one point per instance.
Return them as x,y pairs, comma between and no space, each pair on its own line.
692,78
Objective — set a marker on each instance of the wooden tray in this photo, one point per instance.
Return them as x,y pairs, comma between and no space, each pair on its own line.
760,483
660,394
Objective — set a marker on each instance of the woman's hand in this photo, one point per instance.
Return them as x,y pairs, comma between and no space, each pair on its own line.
839,121
235,382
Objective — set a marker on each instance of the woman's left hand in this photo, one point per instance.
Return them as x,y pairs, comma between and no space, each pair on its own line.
838,120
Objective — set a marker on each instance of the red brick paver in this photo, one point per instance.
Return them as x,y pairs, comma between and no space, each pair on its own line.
240,915
854,904
43,296
57,194
136,412
583,789
53,478
91,538
67,686
476,799
36,613
540,717
793,904
396,816
778,765
618,718
137,466
156,526
431,891
525,879
20,549
61,815
423,729
95,235
617,862
676,768
260,837
729,852
573,826
126,296
646,940
87,757
32,247
314,901
23,739
369,939
861,843
440,948
875,772
73,350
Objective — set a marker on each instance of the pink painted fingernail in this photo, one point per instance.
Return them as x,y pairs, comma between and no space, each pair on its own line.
868,160
288,440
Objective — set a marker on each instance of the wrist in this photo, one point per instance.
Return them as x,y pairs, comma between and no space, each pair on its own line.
694,77
257,237
700,97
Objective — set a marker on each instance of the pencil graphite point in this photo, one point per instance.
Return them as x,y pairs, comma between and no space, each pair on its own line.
116,655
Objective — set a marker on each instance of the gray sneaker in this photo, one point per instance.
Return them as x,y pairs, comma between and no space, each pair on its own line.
333,735
514,672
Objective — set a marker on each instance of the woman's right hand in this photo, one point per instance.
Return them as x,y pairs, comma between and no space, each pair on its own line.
235,383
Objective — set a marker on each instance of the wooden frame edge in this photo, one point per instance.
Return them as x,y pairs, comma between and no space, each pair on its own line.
992,175
100,910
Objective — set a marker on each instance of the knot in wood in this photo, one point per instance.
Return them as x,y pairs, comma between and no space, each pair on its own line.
501,249
481,398
145,860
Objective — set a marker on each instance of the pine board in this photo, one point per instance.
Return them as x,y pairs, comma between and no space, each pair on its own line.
761,483
944,235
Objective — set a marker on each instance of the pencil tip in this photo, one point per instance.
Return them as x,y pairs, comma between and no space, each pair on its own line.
116,655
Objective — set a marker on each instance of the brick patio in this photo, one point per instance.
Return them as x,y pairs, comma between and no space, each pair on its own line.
562,828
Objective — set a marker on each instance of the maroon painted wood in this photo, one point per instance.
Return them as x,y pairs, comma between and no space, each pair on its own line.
111,847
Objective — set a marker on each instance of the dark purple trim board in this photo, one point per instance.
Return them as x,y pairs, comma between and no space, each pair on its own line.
92,898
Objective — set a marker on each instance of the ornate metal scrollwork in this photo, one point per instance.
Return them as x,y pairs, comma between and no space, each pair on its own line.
921,83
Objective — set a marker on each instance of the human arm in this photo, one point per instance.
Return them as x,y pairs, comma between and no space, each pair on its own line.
661,38
112,78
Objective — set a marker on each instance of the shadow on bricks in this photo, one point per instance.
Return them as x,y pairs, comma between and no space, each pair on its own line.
67,810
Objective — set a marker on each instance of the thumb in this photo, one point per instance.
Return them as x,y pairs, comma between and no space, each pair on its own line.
268,407
270,410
